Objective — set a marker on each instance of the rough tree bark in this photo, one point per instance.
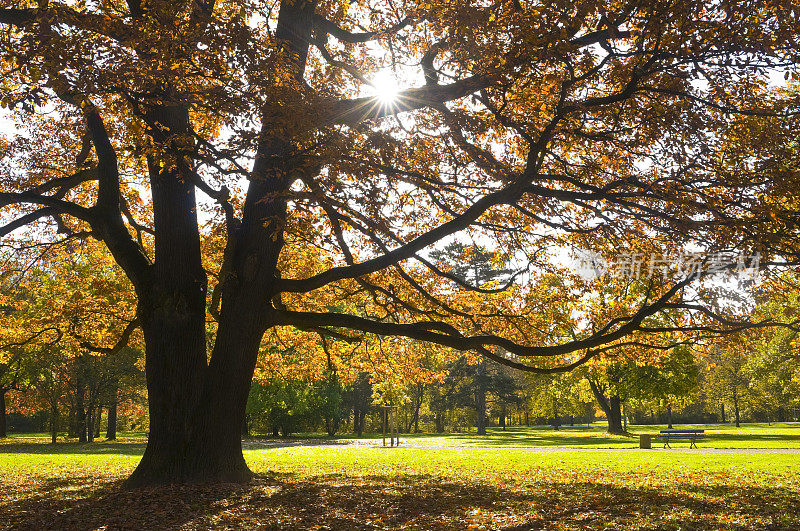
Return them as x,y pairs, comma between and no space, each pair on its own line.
615,415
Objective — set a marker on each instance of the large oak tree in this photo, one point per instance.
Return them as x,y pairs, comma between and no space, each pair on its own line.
526,126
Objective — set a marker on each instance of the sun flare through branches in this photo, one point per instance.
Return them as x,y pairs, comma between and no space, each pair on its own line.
385,88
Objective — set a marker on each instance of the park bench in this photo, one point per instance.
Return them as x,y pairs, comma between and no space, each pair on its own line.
691,435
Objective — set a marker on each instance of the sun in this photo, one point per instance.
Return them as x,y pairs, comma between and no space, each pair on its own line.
385,87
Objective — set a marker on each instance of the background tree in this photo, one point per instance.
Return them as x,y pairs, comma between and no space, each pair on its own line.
328,395
556,397
667,380
473,265
604,385
728,376
359,398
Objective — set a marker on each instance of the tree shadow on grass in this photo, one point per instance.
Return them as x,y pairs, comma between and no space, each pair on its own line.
405,501
99,447
291,442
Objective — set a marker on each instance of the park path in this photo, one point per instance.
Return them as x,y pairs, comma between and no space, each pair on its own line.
376,444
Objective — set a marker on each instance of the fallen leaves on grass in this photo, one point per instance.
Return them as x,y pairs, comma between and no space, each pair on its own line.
79,487
400,501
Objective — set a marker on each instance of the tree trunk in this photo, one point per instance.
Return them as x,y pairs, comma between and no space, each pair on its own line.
556,416
356,419
111,428
3,427
230,373
80,410
669,416
611,407
722,411
624,417
197,435
736,407
480,401
172,311
359,414
502,418
197,409
175,358
89,416
53,422
615,415
417,406
362,416
419,395
331,426
92,417
438,421
98,421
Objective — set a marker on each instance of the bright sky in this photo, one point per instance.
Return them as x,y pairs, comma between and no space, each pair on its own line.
6,126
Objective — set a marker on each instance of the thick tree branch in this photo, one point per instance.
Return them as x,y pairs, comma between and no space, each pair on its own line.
64,184
59,335
60,14
17,17
24,220
446,335
108,222
121,343
59,205
327,27
404,251
351,112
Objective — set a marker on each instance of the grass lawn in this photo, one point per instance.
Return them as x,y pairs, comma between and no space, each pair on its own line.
76,486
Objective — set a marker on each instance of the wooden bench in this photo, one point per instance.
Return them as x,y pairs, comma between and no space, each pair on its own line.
691,435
